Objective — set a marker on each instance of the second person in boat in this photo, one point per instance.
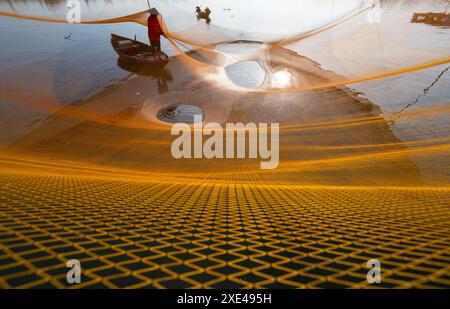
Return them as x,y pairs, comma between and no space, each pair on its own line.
155,31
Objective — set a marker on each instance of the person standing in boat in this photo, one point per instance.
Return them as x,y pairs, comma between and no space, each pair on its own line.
155,31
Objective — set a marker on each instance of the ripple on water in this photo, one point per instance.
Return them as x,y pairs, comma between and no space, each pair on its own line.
180,113
247,74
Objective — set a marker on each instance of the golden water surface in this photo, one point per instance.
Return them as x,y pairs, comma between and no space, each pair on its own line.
86,170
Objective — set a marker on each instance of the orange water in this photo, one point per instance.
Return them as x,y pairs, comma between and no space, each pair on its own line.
367,103
364,170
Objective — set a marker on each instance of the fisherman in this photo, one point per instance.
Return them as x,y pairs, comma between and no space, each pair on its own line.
207,12
155,31
203,14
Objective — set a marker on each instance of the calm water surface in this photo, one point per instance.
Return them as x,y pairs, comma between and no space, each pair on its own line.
366,101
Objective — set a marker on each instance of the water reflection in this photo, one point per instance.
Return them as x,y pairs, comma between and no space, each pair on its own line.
56,10
161,75
249,20
180,113
329,83
247,74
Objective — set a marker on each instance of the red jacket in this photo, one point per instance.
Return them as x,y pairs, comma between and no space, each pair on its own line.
154,28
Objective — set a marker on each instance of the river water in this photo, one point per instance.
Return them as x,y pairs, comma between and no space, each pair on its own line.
360,89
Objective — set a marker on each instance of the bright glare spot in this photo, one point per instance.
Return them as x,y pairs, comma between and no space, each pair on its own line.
282,79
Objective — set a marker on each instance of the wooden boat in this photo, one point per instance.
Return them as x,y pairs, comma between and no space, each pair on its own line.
137,52
433,19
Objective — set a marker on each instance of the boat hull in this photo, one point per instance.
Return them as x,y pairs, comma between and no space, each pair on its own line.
137,52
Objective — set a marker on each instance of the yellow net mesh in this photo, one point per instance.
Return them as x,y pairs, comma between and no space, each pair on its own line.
138,234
